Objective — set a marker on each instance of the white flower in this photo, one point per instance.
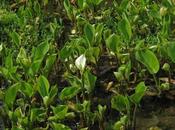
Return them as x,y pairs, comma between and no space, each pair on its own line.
80,62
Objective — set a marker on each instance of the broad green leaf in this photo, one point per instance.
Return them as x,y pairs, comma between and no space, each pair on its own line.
69,92
9,61
52,94
171,51
112,42
149,59
40,51
89,81
22,58
139,93
58,126
27,89
37,7
125,28
16,38
43,86
89,31
80,3
92,54
68,8
38,56
80,62
49,63
65,52
120,103
98,34
59,112
124,4
118,126
37,114
10,94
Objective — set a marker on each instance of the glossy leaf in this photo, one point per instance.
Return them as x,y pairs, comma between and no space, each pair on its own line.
89,81
171,51
16,38
38,56
149,59
43,86
139,93
112,42
120,103
10,94
37,114
49,63
69,92
27,89
89,31
58,126
125,28
59,112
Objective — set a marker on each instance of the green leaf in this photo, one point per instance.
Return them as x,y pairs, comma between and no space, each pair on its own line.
10,94
112,42
149,59
27,89
171,51
98,34
89,31
58,126
80,3
16,38
65,52
89,81
96,2
124,4
52,94
68,8
37,7
120,103
43,86
22,58
59,112
37,114
38,56
40,51
49,63
139,93
69,92
92,54
9,61
125,28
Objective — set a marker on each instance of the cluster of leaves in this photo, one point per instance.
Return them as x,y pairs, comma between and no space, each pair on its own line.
137,35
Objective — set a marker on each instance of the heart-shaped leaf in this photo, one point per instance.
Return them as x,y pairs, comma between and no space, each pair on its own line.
149,59
69,92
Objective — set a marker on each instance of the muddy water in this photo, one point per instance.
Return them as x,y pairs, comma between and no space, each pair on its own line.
160,115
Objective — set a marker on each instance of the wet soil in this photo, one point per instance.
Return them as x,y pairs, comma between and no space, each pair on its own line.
157,113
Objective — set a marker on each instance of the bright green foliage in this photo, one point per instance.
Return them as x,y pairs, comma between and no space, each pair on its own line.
11,94
113,43
71,64
139,93
120,103
149,59
89,33
69,92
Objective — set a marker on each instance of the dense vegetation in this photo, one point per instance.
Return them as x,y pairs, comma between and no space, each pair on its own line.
83,64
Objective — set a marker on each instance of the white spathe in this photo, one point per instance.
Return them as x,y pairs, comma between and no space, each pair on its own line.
80,62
